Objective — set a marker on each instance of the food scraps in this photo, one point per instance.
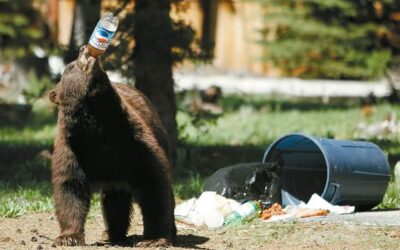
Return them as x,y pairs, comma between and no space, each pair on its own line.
275,209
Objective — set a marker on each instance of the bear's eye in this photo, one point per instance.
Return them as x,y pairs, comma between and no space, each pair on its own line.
70,66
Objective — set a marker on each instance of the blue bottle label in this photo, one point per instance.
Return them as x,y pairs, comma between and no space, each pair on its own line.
101,37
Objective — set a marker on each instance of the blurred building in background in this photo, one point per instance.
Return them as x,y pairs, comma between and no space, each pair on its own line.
233,28
230,27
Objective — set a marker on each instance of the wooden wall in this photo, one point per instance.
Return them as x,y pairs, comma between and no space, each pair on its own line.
236,35
65,20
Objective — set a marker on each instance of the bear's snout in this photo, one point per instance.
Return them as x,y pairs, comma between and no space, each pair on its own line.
86,62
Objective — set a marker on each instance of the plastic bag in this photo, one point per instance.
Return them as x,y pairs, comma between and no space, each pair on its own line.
249,181
210,209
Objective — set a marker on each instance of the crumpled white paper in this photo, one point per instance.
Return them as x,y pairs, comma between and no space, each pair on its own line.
293,206
317,202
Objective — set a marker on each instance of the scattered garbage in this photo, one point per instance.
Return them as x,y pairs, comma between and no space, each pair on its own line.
245,212
304,213
317,202
274,210
247,182
330,174
210,210
288,199
316,206
213,211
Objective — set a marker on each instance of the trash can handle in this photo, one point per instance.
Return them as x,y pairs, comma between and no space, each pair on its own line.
336,199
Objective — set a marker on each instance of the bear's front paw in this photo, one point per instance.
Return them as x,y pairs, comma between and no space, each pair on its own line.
70,240
161,242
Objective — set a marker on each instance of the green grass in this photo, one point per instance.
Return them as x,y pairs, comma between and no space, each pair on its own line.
28,135
260,124
16,200
242,134
188,188
392,197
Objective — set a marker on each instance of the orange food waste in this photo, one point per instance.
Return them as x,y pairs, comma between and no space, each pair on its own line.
312,213
275,209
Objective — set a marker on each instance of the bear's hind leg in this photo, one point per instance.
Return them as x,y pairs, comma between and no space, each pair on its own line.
156,201
116,206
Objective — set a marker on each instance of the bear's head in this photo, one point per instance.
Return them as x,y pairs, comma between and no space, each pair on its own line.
81,81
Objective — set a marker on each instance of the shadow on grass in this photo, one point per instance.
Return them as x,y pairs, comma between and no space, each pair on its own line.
31,161
204,160
24,162
14,114
19,116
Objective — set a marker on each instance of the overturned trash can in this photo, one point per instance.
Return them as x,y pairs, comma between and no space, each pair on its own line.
353,173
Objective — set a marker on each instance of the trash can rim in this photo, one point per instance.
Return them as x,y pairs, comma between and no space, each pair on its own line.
314,139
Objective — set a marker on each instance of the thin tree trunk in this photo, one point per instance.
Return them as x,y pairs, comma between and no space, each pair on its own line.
153,61
394,95
86,16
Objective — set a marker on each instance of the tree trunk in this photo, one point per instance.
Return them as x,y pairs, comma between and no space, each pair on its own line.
394,96
153,61
86,16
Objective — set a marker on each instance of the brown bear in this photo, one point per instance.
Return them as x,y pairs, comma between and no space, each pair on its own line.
109,137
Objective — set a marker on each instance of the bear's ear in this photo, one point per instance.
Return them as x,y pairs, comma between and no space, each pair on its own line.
54,97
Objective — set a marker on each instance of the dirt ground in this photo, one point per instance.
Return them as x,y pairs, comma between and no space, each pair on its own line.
37,231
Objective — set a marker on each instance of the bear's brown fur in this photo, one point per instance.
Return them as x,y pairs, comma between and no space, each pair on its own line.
110,137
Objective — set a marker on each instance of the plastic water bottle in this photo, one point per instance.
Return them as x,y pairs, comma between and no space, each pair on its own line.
246,212
102,34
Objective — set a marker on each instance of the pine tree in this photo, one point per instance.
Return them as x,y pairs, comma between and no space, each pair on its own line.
335,39
21,29
153,60
147,44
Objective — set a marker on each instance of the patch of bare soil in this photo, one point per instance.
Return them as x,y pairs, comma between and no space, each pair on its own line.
37,231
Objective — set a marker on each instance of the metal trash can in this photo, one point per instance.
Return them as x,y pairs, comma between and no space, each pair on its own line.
353,173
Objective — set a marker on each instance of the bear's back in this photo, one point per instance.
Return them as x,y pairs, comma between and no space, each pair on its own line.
141,111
